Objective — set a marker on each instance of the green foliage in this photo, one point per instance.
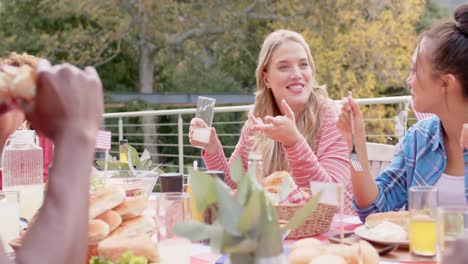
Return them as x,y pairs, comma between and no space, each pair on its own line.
127,258
246,225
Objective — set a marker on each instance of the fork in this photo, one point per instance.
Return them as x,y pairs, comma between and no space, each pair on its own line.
353,156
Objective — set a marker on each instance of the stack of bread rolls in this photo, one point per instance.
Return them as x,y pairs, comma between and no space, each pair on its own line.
17,83
117,225
312,251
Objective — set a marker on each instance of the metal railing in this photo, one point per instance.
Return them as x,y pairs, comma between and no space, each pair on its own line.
124,125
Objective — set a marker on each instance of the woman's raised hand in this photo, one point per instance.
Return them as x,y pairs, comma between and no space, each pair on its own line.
280,128
213,143
343,123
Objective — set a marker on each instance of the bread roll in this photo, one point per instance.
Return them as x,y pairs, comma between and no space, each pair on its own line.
369,254
112,218
400,218
97,230
348,253
105,199
303,255
24,84
307,243
276,179
112,248
134,227
328,259
132,206
4,87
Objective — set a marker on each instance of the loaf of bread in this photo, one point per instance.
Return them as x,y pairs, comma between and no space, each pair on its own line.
97,230
112,218
141,225
105,199
303,255
112,248
132,207
400,218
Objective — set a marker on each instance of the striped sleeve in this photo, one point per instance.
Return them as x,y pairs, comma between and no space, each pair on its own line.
330,163
217,161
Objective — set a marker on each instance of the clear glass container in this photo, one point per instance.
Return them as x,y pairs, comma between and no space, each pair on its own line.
23,171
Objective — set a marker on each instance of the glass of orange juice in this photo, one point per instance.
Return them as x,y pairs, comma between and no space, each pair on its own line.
422,226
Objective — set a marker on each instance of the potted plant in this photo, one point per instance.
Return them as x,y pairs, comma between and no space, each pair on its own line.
246,226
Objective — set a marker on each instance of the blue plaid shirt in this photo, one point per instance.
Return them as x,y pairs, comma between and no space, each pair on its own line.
421,160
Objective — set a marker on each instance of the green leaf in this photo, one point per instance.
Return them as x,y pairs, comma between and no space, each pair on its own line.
217,238
251,213
116,165
269,242
132,154
203,188
229,209
242,258
145,155
245,246
299,218
144,165
237,170
158,170
244,188
193,230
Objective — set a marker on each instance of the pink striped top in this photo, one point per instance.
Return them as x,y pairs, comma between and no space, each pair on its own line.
330,163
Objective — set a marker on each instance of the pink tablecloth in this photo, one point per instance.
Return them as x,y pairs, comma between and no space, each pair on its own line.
201,254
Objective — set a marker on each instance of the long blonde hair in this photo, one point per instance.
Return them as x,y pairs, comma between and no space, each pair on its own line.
265,104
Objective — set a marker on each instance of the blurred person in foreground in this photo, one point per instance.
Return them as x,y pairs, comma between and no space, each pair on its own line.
430,152
292,123
67,109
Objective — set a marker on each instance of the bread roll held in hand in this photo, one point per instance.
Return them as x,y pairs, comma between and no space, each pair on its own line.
105,199
112,248
112,218
97,230
17,82
141,225
400,218
132,207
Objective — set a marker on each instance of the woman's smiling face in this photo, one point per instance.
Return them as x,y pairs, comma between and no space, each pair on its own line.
289,75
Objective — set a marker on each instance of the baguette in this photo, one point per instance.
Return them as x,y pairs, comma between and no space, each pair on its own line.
97,230
112,248
132,207
105,199
112,218
400,218
134,227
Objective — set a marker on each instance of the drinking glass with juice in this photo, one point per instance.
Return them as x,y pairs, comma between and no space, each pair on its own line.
422,225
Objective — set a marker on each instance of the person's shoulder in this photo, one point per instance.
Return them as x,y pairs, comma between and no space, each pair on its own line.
426,127
423,134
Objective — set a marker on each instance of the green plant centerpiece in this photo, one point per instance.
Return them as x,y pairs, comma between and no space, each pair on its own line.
245,225
134,161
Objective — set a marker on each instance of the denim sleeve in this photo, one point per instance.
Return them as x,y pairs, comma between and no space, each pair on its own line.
392,184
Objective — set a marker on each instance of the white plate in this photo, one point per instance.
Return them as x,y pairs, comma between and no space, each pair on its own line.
362,232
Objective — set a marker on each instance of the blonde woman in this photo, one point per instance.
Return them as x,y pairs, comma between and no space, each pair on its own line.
292,123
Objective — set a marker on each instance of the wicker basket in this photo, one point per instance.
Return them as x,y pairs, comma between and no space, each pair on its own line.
317,223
